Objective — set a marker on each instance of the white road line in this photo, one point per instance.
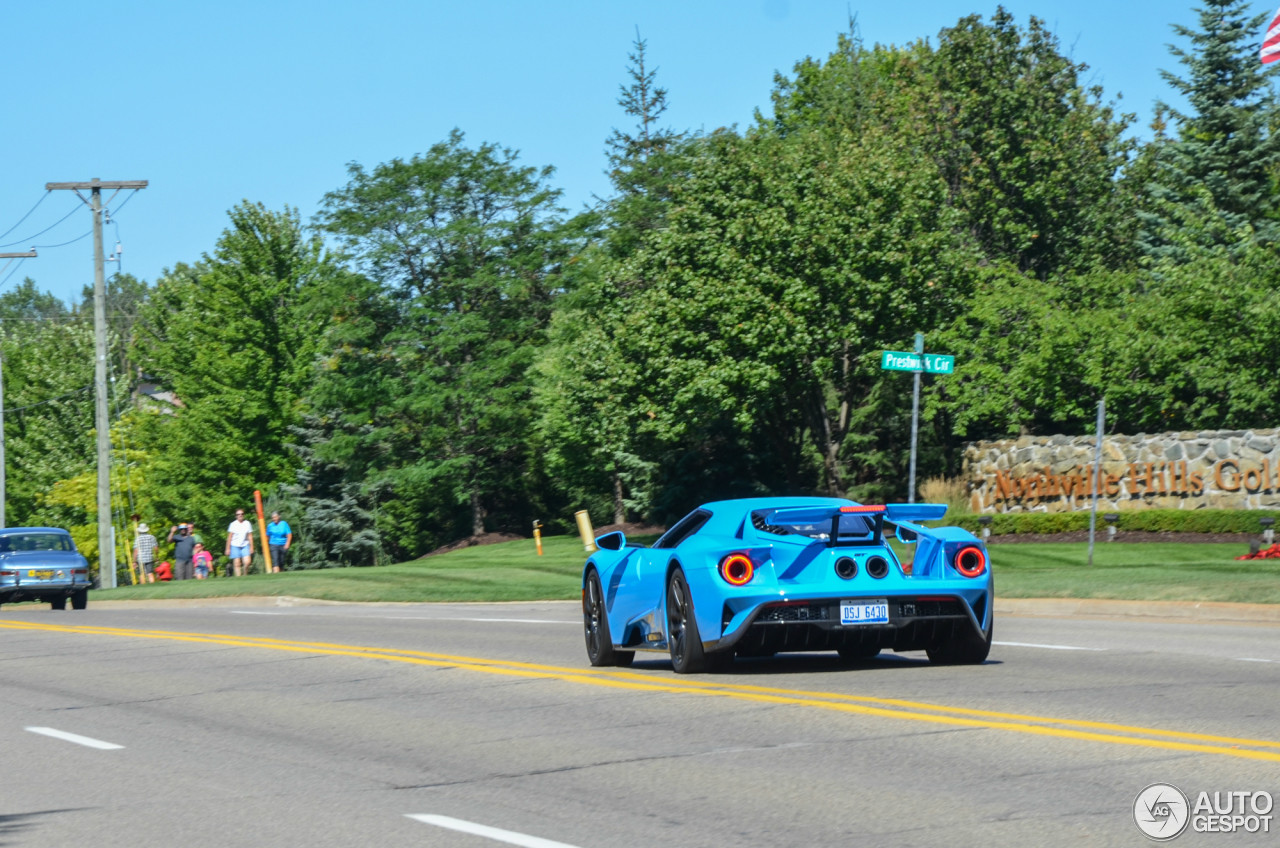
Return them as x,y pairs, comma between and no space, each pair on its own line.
71,737
1047,647
1254,659
508,836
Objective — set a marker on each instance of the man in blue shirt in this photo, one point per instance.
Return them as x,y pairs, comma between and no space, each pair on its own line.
279,538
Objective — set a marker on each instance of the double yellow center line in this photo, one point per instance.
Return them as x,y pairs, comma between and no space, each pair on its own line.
1090,731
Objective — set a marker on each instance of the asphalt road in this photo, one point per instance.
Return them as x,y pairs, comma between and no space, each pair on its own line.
483,725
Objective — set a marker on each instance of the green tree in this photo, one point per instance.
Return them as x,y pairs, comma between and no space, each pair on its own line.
48,401
465,247
1029,154
584,438
1214,177
233,339
788,265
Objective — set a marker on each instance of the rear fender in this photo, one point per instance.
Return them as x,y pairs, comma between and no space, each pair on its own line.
934,545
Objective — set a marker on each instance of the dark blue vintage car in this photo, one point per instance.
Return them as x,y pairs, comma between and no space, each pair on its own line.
42,564
759,576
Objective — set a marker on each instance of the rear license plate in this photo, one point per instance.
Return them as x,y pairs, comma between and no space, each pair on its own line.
44,574
864,612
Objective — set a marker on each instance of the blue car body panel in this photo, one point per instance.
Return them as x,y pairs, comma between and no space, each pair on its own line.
793,600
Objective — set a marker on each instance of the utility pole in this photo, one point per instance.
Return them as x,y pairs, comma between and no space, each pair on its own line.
106,544
31,254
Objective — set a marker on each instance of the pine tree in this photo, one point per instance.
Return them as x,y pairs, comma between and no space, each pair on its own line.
1213,174
644,163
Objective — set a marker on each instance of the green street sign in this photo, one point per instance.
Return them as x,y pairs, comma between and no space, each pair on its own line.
930,363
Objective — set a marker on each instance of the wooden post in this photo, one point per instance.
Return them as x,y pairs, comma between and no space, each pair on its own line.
262,530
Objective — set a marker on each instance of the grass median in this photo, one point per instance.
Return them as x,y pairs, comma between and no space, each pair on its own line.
512,571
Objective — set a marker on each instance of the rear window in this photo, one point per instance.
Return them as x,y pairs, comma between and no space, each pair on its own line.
36,542
851,528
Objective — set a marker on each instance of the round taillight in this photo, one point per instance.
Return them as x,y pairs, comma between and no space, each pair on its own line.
847,567
737,569
877,566
970,561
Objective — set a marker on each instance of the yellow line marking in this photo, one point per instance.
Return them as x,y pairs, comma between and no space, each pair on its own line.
1119,734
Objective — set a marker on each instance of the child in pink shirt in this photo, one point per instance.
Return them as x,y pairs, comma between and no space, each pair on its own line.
202,561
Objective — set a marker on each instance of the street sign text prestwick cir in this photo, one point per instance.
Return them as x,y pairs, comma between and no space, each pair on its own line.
930,363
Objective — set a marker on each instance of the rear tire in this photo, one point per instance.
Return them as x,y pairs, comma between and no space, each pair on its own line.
687,653
595,628
58,603
80,599
969,649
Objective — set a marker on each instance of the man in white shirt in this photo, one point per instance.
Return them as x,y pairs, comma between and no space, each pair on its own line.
240,544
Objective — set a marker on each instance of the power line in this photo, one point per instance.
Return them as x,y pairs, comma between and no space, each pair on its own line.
73,211
71,393
11,273
26,216
65,243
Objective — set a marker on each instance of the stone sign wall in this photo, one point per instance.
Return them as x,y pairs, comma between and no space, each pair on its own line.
1226,469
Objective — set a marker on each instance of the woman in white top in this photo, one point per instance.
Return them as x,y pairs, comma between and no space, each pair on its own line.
240,544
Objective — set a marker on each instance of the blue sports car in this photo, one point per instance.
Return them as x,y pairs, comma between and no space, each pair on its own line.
757,576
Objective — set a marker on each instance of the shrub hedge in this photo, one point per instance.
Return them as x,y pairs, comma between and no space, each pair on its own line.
1147,520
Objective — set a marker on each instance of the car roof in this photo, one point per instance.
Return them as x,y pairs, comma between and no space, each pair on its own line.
9,531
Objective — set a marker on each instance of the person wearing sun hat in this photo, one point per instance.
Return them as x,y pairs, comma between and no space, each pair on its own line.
144,553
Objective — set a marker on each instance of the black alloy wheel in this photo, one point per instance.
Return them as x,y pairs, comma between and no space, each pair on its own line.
595,628
687,653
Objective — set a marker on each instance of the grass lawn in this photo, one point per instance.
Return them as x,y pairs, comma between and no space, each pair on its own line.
513,571
1156,571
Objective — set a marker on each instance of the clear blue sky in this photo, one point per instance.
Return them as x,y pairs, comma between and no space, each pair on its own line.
268,100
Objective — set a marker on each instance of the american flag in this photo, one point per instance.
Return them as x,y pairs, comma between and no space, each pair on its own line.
1271,44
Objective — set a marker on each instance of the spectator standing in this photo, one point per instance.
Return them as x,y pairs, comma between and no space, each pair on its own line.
144,553
279,538
240,544
183,548
201,561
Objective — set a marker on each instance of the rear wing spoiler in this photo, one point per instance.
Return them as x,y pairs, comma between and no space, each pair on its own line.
915,512
877,514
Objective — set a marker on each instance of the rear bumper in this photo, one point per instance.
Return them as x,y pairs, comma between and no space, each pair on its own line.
915,623
12,594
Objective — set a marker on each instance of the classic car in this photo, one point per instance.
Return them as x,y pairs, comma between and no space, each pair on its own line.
42,564
759,576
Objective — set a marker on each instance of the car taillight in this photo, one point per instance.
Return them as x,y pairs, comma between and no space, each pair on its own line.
83,571
970,561
737,569
864,508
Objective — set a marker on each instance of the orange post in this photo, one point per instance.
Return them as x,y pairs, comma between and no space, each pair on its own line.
262,529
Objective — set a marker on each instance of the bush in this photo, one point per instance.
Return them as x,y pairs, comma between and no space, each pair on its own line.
1147,520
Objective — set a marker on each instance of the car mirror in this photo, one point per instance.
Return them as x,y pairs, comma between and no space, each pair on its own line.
904,535
614,541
